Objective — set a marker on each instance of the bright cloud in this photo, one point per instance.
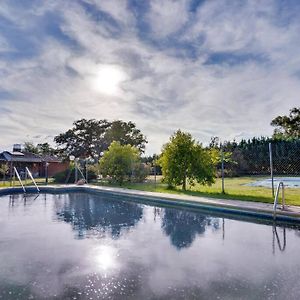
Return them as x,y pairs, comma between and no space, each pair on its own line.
222,68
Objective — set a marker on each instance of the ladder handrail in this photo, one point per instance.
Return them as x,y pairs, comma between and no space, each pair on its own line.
83,177
78,168
280,184
31,177
19,178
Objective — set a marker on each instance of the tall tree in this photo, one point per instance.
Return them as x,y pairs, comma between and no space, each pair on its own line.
46,149
125,133
251,157
288,126
30,147
184,159
84,139
88,138
42,149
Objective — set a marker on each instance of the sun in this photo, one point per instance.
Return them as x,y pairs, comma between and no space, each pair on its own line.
107,79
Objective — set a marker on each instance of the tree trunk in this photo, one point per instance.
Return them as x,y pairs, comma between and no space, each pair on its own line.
184,180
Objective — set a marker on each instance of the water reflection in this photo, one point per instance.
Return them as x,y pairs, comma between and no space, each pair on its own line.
281,243
97,215
24,199
137,257
183,226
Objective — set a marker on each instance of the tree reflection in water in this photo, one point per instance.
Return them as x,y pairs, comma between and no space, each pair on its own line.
97,215
183,226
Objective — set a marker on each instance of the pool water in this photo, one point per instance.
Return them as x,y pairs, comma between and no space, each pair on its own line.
290,182
82,246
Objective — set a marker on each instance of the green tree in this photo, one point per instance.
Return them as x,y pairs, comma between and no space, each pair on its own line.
30,147
119,161
3,170
42,149
140,171
218,152
152,161
287,126
184,159
84,139
251,157
126,133
88,138
46,149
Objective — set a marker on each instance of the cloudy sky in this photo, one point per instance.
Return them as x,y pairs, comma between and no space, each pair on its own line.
213,68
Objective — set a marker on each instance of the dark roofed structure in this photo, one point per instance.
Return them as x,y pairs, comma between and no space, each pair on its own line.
39,165
21,157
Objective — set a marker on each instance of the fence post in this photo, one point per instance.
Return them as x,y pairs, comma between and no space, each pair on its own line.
154,171
10,172
76,171
86,172
222,169
46,172
271,168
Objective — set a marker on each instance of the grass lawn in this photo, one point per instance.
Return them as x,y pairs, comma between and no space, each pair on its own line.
234,189
39,181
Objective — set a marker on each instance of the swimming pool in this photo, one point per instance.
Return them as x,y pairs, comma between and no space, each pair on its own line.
85,246
290,182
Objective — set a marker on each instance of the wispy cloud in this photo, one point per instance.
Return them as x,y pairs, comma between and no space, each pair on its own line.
167,17
221,68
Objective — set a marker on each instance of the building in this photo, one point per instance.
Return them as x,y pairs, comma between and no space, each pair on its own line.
39,166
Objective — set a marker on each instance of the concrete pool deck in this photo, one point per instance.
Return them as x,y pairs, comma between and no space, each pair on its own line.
237,207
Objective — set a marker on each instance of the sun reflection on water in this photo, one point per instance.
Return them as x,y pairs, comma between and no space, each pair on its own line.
105,258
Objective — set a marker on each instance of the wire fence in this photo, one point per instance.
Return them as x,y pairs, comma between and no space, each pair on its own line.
267,164
286,160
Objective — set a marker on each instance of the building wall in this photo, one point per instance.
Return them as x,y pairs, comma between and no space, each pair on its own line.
54,168
33,167
38,169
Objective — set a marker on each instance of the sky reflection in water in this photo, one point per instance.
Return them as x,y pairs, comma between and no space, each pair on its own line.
81,246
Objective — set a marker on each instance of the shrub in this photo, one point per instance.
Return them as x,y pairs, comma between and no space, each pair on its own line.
118,163
140,172
69,175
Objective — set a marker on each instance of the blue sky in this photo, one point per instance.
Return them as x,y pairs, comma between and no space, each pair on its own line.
213,68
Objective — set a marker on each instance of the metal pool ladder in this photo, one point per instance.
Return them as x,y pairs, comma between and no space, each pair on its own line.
31,177
280,185
19,178
27,171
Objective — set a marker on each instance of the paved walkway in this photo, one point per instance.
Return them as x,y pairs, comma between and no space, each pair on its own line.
225,204
203,200
259,207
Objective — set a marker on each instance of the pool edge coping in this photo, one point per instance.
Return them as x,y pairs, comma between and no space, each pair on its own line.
250,209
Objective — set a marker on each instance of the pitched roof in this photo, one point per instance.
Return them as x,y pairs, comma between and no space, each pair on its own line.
51,158
2,158
21,157
28,157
